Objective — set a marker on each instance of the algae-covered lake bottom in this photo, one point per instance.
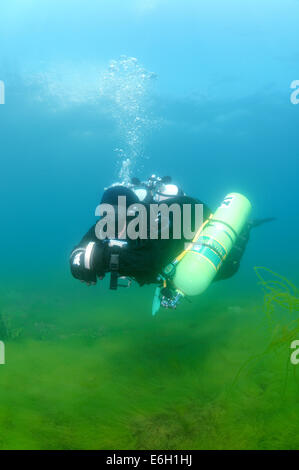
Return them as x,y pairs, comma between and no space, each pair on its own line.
90,369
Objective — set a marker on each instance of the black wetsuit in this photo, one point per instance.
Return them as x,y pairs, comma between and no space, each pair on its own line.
143,260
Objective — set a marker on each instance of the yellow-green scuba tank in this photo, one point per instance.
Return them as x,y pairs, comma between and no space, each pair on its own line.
201,261
192,271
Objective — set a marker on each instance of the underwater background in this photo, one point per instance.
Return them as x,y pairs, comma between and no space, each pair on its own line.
96,92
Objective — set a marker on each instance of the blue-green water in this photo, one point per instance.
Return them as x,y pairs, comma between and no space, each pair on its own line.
100,91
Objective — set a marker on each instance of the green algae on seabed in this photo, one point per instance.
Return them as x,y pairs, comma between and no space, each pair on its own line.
278,291
94,371
280,296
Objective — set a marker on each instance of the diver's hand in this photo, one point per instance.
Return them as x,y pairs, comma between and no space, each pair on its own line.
79,268
88,262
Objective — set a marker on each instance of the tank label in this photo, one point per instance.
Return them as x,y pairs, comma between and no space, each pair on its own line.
213,244
227,202
209,254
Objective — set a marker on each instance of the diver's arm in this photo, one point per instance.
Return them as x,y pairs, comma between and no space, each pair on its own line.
85,258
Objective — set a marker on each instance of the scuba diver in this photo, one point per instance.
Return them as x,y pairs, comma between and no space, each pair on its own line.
165,262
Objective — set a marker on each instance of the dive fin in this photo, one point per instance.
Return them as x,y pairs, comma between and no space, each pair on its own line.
258,222
156,301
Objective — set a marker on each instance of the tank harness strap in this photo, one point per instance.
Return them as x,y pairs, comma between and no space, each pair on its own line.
114,268
181,255
169,270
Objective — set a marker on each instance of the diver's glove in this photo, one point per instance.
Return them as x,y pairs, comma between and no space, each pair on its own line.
87,263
